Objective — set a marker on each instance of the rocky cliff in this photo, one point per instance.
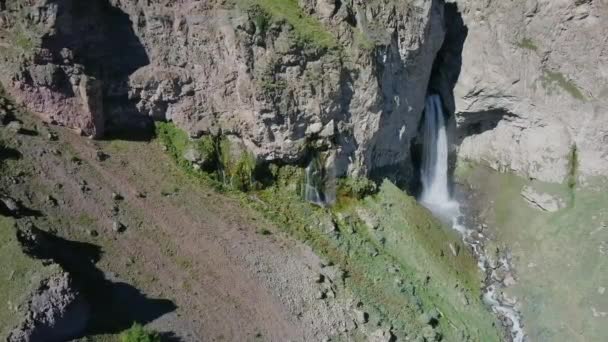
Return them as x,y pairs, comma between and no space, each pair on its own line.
532,95
284,77
526,80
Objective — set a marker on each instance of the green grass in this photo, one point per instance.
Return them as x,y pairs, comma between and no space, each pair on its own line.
527,43
407,237
558,257
137,333
551,79
308,29
19,276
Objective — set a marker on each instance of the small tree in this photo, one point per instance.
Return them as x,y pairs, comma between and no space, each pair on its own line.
137,333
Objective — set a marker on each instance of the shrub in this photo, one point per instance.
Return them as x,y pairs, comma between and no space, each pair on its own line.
137,333
356,188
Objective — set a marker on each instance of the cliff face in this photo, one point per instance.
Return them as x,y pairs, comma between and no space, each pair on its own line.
532,96
349,77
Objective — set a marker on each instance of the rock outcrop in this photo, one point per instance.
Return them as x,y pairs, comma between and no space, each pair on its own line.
261,71
532,94
54,312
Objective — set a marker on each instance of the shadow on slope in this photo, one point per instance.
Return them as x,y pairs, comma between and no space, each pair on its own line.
115,305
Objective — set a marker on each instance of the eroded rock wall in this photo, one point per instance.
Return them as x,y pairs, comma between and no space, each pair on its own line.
532,96
347,76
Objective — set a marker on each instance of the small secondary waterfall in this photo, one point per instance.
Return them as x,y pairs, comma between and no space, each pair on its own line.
436,197
312,186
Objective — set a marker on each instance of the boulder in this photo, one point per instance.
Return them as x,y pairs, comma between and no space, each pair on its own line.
56,311
542,201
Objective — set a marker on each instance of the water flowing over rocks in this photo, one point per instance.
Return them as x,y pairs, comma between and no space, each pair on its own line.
436,196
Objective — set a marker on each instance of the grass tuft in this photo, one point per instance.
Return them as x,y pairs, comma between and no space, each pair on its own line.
527,43
551,79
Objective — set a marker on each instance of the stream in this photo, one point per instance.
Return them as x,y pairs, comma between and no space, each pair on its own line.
436,197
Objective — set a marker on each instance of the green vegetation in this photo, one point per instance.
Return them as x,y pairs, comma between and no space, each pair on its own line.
355,188
400,267
527,43
225,165
573,167
308,29
560,257
363,41
261,19
137,333
552,79
19,275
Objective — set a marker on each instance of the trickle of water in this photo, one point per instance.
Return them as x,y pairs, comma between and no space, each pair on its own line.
313,179
436,197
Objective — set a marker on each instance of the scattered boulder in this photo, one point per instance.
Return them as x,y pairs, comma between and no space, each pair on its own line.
15,127
101,156
118,227
117,197
50,200
542,201
193,155
381,335
9,206
361,316
429,333
52,136
314,128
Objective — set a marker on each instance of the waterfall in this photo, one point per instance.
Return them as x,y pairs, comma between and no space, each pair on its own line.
436,197
434,171
312,189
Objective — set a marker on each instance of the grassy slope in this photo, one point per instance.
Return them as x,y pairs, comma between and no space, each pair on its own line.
414,245
307,28
19,275
559,257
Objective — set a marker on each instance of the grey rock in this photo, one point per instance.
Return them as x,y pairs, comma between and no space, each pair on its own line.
118,227
56,311
193,155
101,156
265,90
542,201
11,205
361,316
14,126
381,335
529,94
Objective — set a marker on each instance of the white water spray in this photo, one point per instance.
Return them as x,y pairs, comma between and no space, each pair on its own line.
436,197
436,192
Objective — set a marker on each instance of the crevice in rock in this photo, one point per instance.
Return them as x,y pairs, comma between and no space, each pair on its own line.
89,35
479,122
444,76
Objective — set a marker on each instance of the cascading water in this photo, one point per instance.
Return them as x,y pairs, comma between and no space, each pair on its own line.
313,183
436,193
436,197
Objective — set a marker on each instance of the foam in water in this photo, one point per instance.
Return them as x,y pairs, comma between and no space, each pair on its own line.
436,193
436,197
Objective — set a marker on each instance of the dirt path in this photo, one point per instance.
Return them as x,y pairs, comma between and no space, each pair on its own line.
198,250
